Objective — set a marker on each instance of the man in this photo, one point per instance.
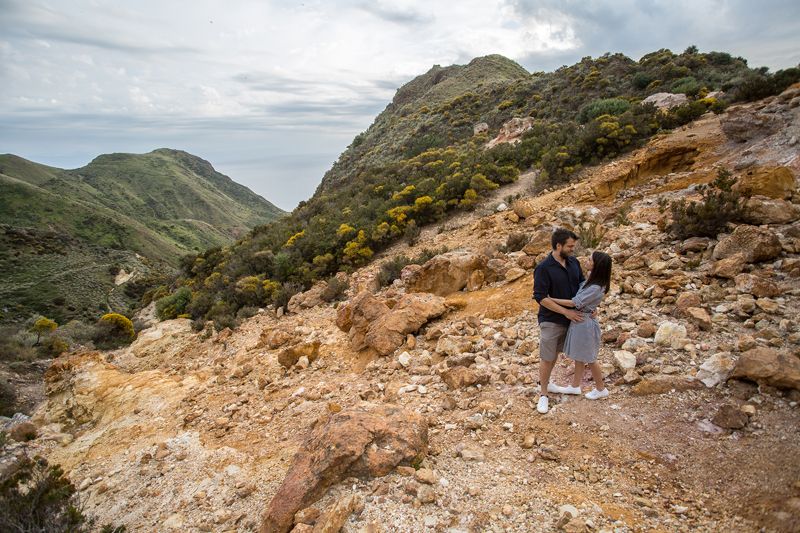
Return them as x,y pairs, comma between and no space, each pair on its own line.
558,276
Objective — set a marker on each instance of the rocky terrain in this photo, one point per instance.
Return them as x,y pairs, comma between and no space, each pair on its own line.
412,407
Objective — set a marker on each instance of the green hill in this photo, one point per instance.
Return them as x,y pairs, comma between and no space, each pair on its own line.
159,205
421,159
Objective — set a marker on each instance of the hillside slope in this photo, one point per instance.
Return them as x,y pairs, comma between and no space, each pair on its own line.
701,360
139,213
160,204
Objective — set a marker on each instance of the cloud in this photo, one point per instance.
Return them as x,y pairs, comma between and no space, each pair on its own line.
257,80
396,15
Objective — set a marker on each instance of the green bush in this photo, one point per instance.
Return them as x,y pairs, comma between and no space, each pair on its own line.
606,106
390,270
688,86
113,330
38,497
43,326
335,290
175,304
710,216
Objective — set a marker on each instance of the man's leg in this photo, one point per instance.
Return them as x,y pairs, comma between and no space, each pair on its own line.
545,369
551,341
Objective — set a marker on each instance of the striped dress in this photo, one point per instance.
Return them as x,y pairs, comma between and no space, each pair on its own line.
583,338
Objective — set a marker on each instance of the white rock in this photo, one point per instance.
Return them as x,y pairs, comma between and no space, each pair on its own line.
568,509
502,207
671,334
624,360
404,359
716,369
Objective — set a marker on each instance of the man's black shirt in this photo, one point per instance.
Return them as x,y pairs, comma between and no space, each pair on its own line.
553,280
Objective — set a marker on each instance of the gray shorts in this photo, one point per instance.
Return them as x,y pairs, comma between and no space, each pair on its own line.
551,340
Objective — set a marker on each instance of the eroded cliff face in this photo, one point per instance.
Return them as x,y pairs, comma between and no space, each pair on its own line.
184,432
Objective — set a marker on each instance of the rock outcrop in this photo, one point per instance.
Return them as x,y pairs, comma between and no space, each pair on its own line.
371,323
446,273
511,131
754,243
665,100
770,367
369,441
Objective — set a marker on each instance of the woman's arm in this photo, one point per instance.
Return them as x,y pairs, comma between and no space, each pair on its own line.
572,314
563,302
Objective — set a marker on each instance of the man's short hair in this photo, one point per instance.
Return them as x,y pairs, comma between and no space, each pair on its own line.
561,236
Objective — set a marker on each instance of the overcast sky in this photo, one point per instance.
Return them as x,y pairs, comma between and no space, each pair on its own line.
272,92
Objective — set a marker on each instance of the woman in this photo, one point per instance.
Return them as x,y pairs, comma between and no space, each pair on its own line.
583,338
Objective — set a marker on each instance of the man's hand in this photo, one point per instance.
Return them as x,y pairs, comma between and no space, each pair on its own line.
574,316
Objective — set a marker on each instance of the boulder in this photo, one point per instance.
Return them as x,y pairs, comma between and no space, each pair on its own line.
772,182
665,100
524,208
389,331
274,338
370,322
730,417
624,360
446,273
754,243
480,127
661,384
459,377
762,210
512,131
716,369
514,274
699,317
334,518
453,345
769,367
756,285
364,442
306,300
694,244
289,357
671,334
729,267
742,124
539,242
686,300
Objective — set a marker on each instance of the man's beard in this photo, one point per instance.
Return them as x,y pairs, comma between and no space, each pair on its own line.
563,255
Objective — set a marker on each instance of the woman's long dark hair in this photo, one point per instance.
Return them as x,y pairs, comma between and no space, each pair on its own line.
601,271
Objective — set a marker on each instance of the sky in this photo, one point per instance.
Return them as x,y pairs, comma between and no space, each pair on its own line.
271,92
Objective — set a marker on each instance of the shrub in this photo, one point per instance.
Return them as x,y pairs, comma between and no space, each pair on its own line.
390,270
708,217
173,305
113,330
589,234
41,327
688,86
411,233
54,346
606,106
335,290
284,294
38,496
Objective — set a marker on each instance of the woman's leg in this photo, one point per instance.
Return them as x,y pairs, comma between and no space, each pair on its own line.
577,376
597,376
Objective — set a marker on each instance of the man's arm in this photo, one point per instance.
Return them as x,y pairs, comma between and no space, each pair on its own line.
572,314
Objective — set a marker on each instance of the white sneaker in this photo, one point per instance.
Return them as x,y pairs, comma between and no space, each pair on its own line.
558,389
595,394
543,404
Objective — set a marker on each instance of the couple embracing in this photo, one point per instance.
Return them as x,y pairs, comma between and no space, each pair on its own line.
567,324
